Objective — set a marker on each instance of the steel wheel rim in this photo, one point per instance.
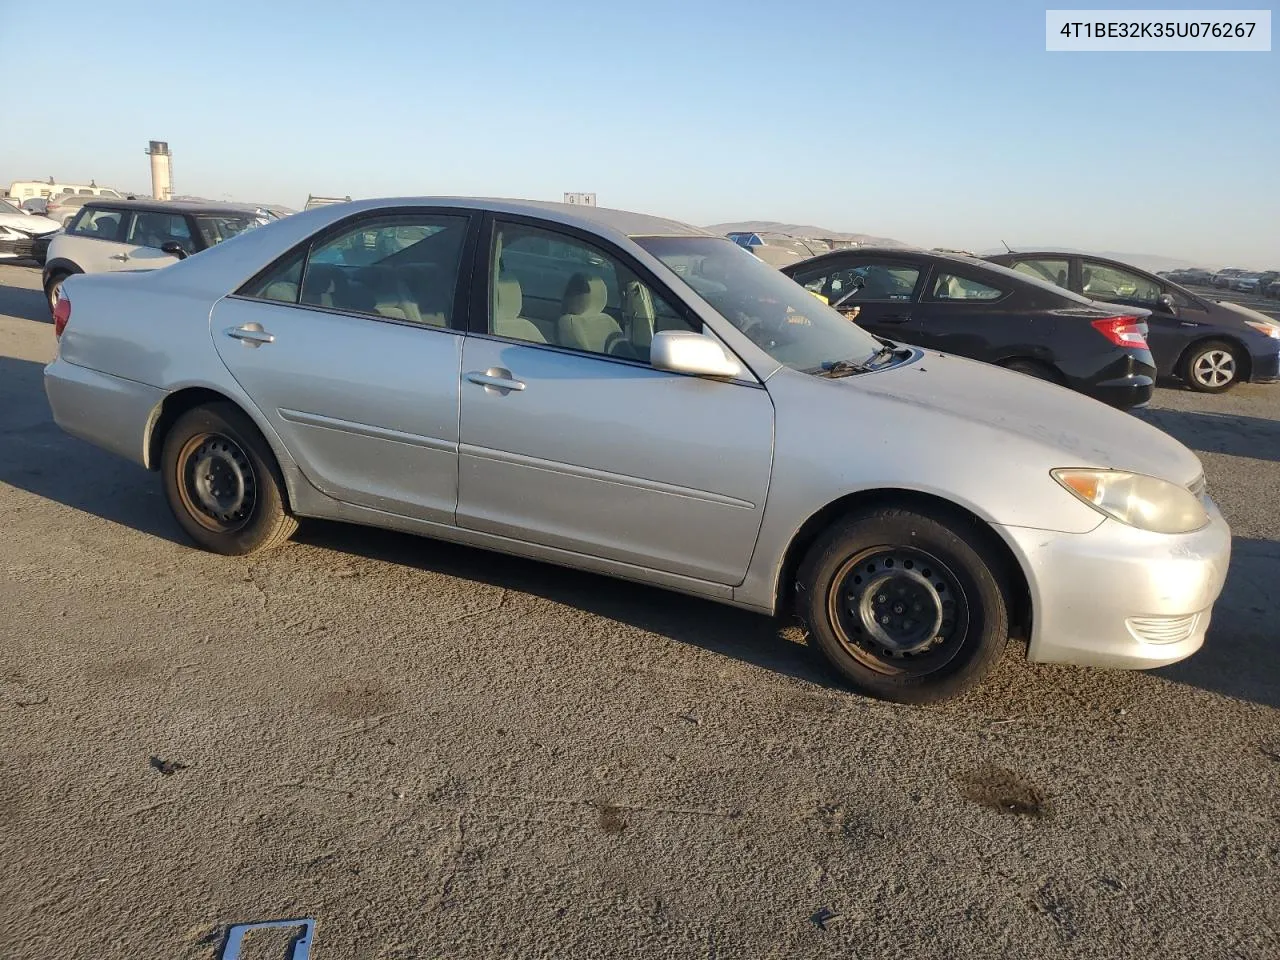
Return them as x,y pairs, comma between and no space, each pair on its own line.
1214,368
217,483
54,290
898,610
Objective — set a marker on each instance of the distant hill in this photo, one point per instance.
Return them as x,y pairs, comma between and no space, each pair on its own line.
806,230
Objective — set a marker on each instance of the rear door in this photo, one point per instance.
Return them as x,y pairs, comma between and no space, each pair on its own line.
877,293
351,347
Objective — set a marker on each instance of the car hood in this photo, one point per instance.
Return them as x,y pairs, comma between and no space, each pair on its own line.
1071,430
33,224
1247,314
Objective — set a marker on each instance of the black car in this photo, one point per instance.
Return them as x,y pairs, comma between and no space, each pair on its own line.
1210,344
966,306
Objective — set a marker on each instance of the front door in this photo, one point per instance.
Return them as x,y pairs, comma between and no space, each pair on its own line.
351,348
146,231
570,439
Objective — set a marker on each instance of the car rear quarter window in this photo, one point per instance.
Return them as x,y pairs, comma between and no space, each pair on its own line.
948,287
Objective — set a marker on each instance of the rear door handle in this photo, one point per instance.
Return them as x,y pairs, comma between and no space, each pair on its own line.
253,336
119,256
896,318
496,378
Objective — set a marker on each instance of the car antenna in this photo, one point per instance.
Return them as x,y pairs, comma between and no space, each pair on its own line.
1007,247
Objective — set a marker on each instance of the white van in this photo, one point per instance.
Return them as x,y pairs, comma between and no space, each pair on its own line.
21,190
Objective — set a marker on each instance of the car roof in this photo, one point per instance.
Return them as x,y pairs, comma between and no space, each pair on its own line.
169,206
590,218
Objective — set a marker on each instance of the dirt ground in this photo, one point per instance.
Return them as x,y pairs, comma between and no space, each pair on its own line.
437,752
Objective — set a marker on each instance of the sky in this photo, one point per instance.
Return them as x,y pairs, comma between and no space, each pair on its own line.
938,123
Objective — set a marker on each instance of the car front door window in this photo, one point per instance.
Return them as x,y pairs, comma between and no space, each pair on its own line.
1102,281
551,288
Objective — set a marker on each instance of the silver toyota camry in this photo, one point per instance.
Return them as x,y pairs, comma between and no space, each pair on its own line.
637,397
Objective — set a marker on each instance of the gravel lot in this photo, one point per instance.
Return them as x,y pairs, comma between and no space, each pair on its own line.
437,752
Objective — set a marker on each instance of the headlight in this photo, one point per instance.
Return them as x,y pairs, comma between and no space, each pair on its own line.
1266,329
1140,501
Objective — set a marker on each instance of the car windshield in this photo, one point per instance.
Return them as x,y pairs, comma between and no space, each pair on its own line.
786,321
10,208
215,229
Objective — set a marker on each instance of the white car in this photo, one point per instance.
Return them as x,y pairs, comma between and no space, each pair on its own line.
112,235
637,397
23,236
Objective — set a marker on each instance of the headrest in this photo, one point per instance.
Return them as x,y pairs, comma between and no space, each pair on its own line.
585,294
508,300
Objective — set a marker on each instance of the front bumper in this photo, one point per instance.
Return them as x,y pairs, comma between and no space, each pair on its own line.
26,248
1264,367
1121,597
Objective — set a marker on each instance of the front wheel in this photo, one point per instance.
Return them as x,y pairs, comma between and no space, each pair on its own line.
906,605
1212,367
222,482
53,288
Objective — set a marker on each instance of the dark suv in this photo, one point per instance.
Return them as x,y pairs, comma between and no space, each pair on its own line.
1210,344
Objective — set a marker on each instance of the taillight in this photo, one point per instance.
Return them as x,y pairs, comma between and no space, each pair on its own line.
1123,331
61,314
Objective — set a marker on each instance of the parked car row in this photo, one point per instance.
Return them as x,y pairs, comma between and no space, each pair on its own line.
636,397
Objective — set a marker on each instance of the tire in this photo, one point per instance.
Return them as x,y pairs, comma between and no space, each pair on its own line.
1033,368
847,586
222,482
52,287
1212,367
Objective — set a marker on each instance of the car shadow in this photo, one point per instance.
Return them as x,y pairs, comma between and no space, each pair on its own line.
1240,658
23,302
1229,433
36,456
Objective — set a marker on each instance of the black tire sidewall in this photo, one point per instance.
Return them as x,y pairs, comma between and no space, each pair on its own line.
54,278
1200,350
270,506
978,570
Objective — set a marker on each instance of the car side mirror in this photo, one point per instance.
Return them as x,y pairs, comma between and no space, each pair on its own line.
682,351
174,249
1165,303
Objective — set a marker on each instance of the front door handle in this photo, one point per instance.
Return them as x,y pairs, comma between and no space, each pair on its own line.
119,256
498,379
896,318
251,334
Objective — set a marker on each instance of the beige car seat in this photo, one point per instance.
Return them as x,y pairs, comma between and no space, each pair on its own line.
583,324
507,322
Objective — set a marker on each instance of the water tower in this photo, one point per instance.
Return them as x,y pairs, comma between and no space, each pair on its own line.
161,170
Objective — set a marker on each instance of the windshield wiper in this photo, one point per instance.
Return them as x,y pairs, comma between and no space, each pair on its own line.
844,368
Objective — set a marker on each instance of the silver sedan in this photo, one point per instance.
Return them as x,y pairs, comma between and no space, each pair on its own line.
637,397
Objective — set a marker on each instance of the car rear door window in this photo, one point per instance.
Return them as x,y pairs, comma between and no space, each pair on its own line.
399,267
1049,270
1102,281
97,222
947,287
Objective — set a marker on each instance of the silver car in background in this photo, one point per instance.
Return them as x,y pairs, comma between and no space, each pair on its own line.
633,396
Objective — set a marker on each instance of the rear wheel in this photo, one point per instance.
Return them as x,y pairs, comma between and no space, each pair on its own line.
222,482
1212,367
1033,368
907,605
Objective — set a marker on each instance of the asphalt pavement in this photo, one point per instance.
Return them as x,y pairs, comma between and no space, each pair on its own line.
437,752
